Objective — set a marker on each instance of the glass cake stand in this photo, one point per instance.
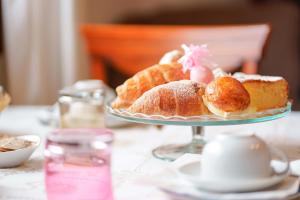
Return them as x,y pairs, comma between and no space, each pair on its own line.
197,123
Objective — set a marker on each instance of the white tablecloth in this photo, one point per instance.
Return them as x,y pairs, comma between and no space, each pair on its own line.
132,157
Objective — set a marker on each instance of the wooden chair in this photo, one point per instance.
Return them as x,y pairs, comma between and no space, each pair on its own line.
131,48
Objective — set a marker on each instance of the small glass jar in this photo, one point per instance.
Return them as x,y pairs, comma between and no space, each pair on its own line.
82,107
77,164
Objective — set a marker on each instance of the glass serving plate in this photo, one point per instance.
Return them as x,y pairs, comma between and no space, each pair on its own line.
201,120
171,152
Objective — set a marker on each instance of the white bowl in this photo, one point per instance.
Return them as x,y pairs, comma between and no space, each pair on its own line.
18,157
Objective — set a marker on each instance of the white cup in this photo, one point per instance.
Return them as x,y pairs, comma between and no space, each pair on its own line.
238,156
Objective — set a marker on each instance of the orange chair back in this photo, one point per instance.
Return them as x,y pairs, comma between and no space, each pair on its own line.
131,48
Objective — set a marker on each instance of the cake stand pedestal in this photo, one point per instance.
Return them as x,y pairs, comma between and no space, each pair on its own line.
197,123
173,151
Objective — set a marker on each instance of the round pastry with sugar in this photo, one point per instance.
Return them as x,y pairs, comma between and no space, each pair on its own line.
183,98
226,95
171,57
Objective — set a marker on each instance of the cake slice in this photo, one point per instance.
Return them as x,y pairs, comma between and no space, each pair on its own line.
266,92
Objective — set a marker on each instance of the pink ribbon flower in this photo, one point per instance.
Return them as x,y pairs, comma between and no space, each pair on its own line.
197,59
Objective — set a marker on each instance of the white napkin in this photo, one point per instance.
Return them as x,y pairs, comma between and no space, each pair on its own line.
168,181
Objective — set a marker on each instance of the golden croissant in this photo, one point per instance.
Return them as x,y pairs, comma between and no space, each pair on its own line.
146,79
182,98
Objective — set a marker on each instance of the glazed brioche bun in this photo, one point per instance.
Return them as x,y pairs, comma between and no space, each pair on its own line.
226,95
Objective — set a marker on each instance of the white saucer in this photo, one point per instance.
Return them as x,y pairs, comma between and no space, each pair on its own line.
191,172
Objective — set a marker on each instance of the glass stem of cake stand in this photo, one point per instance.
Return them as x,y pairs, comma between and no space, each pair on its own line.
173,151
198,142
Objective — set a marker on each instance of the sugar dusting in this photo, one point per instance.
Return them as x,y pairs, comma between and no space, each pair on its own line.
182,88
242,77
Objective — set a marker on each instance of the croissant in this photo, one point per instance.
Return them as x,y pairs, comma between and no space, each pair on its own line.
182,98
146,79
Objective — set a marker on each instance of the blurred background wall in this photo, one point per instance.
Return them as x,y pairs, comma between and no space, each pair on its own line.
44,51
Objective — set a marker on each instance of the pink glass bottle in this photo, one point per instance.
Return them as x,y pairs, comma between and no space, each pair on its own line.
77,164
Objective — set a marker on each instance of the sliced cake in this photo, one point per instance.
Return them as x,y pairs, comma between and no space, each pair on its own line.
266,92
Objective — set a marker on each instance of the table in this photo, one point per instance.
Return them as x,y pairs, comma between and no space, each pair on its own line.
132,157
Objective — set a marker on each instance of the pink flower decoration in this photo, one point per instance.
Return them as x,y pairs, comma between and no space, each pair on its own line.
197,59
196,56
